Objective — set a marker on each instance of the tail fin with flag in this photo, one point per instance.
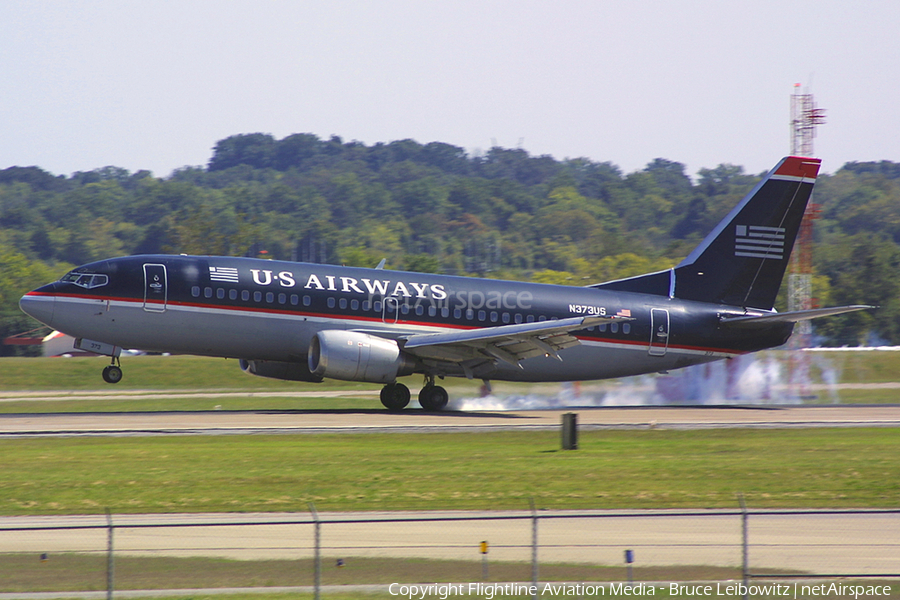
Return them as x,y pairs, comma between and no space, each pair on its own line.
743,260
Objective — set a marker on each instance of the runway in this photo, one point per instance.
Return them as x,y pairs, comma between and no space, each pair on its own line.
412,420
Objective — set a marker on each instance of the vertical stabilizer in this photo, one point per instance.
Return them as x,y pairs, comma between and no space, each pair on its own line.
743,260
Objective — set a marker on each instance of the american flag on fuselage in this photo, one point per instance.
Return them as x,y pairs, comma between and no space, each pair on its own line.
224,274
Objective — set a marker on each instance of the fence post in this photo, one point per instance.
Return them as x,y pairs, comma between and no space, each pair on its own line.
317,556
534,547
110,561
745,546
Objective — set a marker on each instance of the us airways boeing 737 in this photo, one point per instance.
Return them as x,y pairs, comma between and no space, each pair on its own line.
306,322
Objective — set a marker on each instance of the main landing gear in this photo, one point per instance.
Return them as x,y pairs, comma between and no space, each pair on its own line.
112,373
433,398
395,396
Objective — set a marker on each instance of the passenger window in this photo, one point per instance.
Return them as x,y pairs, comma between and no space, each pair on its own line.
506,317
614,327
270,297
257,296
405,309
432,311
207,292
530,319
343,303
457,313
245,295
282,298
307,300
518,317
494,316
470,313
445,312
542,318
366,305
602,327
420,310
331,302
195,291
220,293
295,299
626,328
354,304
232,294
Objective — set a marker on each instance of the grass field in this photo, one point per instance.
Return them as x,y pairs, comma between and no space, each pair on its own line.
66,572
57,378
143,373
194,372
72,572
434,471
642,469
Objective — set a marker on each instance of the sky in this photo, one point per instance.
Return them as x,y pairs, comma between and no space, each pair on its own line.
154,85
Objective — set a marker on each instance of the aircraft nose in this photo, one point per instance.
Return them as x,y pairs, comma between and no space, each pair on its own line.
38,306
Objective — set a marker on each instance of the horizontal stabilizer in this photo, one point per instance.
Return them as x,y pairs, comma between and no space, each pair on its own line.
790,317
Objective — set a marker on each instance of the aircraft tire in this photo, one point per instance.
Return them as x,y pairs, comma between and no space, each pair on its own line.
112,374
395,396
433,398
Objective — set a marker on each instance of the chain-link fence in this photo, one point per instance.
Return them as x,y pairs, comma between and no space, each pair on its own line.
91,553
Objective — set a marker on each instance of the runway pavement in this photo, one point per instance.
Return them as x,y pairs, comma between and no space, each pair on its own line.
380,420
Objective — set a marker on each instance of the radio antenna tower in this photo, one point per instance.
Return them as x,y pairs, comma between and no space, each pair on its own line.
805,117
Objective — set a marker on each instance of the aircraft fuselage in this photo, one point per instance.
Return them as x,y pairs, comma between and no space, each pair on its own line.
270,310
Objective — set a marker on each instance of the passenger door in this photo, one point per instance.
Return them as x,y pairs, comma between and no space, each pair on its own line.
155,288
659,331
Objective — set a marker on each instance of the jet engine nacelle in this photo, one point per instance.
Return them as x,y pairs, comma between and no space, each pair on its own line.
354,356
279,370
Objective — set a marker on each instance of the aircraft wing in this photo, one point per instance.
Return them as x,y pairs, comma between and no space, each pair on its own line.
790,317
507,343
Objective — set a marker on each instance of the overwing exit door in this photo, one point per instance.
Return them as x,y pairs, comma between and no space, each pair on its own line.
155,288
659,331
390,309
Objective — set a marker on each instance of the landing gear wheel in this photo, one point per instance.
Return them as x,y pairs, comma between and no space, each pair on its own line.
395,396
433,398
112,374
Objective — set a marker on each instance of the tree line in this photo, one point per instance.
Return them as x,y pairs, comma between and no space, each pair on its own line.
436,208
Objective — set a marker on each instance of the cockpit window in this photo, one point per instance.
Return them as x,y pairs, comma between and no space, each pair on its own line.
86,280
